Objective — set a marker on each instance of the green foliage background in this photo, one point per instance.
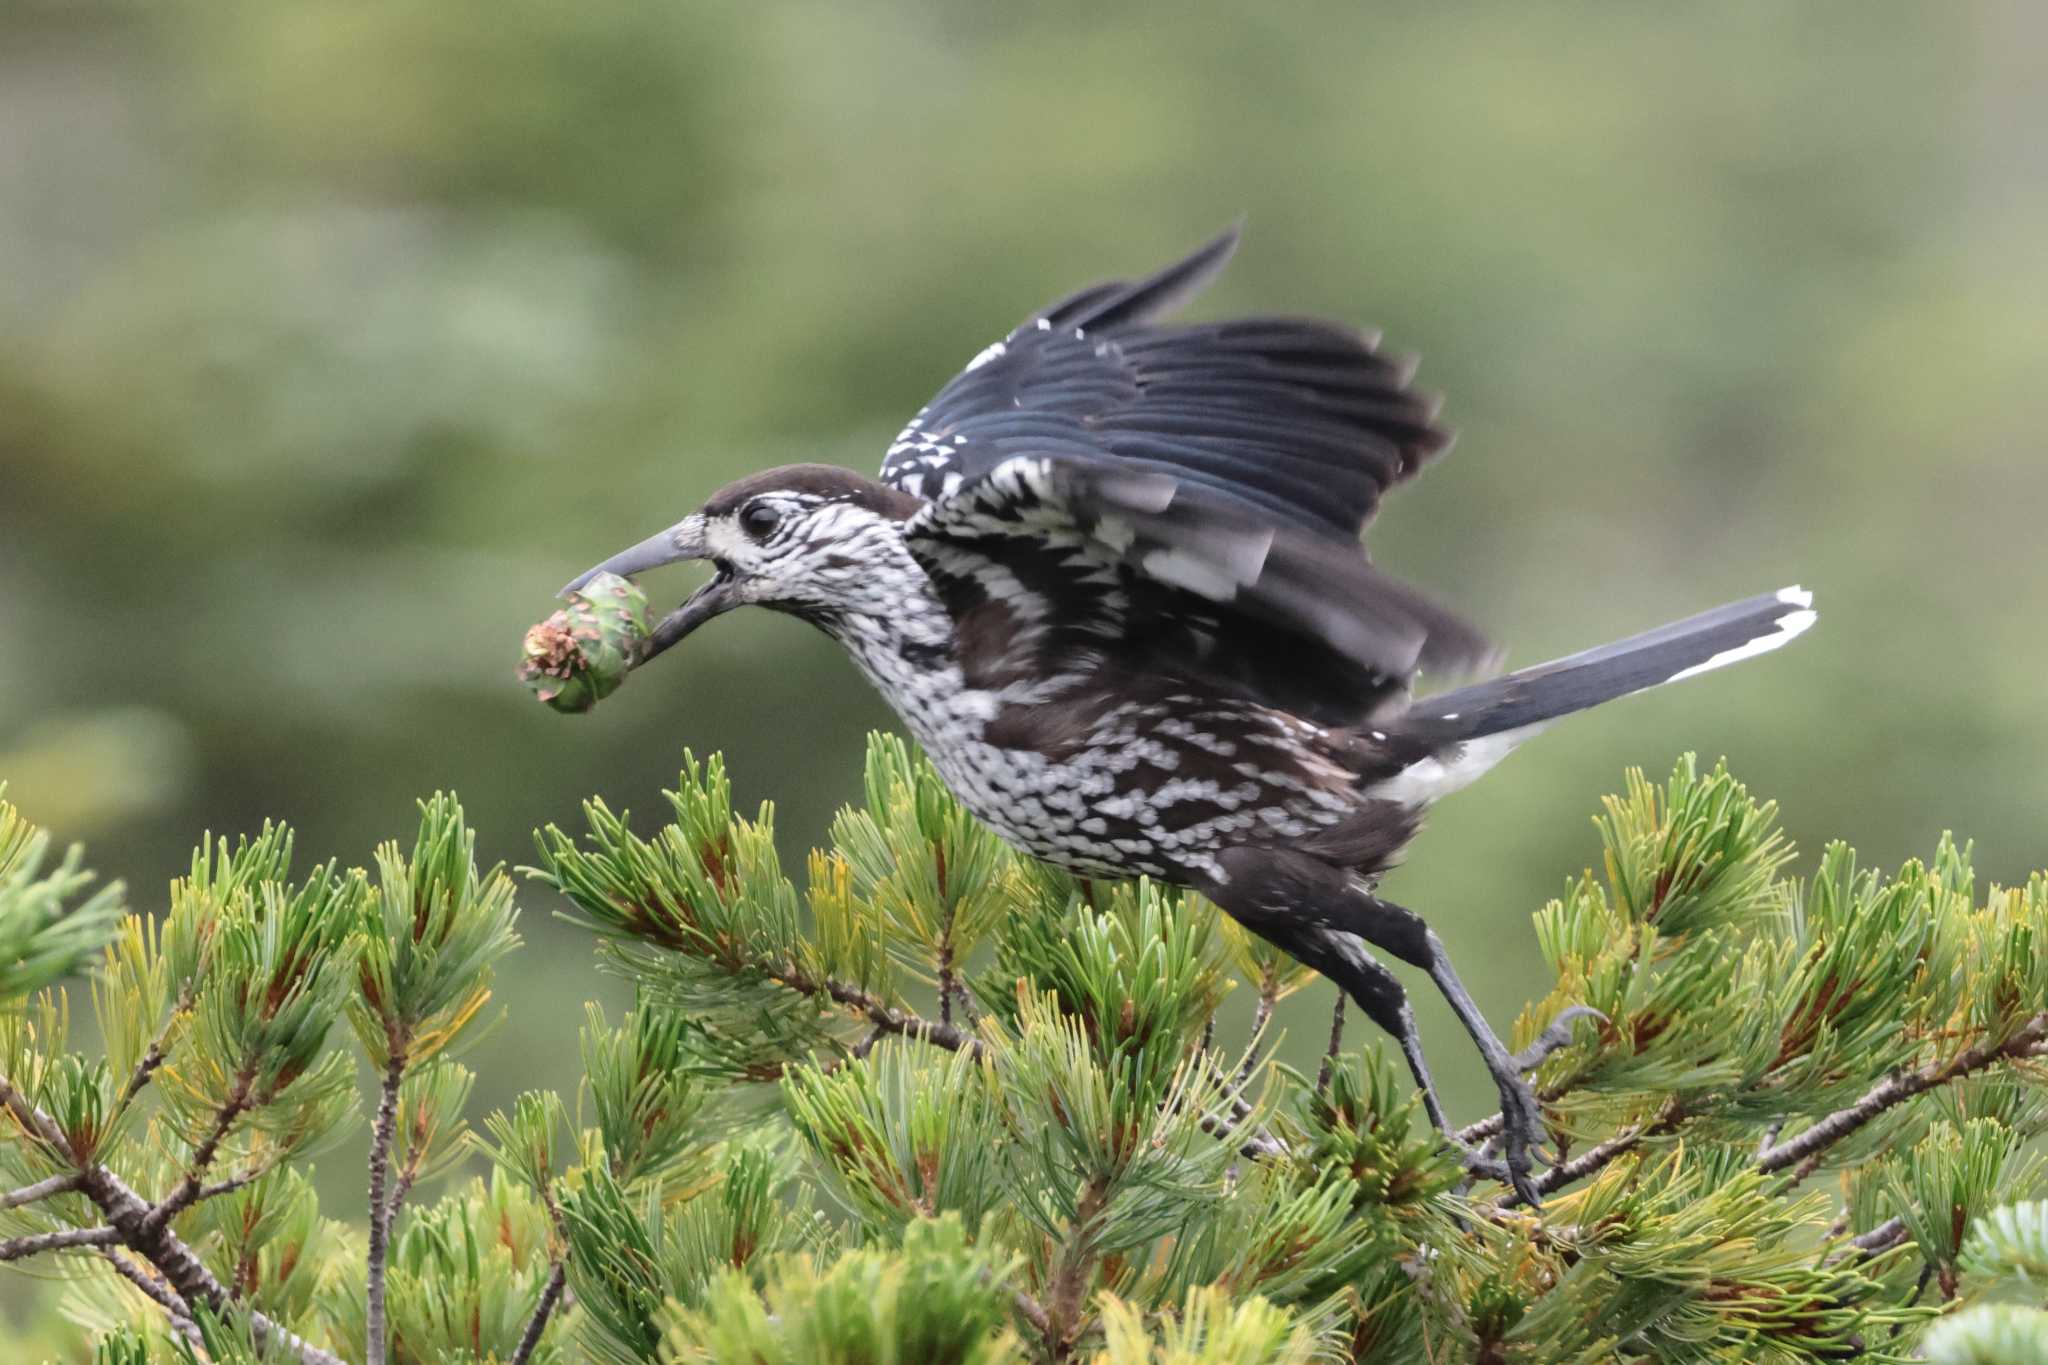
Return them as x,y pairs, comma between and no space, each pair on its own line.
335,336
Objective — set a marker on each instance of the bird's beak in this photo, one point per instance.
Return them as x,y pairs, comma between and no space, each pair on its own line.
684,540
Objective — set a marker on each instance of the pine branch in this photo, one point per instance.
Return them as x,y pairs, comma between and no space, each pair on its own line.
1806,1149
403,1185
130,1215
1262,1015
42,1189
19,1248
1336,1045
1596,1157
883,1016
946,978
157,1293
1878,1240
549,1298
187,1190
1033,1312
182,1269
154,1055
1074,1269
231,1184
380,1203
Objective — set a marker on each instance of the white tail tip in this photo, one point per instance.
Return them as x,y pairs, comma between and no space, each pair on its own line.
1784,629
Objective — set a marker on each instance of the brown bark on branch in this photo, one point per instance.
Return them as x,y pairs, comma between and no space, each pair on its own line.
883,1016
187,1191
1074,1270
42,1189
1804,1149
550,1296
129,1214
1807,1148
20,1248
380,1202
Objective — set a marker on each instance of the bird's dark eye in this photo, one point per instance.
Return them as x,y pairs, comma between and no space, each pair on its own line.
757,519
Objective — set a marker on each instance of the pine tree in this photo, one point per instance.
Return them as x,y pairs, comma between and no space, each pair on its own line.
944,1104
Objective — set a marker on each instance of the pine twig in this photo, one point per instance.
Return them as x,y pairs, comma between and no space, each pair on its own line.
1033,1312
144,1069
1336,1045
20,1248
156,1292
883,1016
529,1340
1262,1015
1599,1155
42,1189
962,996
1878,1240
187,1190
129,1214
1805,1150
1919,1289
946,982
403,1185
380,1203
155,1054
231,1184
1072,1271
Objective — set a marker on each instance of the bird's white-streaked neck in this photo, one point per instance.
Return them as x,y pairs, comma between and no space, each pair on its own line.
906,651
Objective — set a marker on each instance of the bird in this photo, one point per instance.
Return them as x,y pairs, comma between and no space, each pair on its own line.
1112,580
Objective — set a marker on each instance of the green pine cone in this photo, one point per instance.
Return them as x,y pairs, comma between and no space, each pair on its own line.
580,655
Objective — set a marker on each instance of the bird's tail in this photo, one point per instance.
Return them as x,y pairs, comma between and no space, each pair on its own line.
1472,728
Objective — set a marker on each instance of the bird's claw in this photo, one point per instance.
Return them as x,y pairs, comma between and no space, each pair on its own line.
1558,1035
1521,1130
1521,1117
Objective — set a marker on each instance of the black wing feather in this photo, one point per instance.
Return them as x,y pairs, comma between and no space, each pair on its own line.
1301,419
1176,505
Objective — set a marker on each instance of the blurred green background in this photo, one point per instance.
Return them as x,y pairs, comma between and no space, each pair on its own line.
335,336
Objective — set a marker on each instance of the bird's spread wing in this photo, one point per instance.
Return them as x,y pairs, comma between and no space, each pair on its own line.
1301,420
1056,569
1175,504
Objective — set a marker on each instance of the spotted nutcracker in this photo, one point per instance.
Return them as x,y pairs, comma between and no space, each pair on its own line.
1111,579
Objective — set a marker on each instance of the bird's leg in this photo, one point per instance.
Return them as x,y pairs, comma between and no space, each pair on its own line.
1375,990
1275,894
1319,914
1402,932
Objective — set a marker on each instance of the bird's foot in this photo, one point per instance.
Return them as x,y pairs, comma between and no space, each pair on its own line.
1522,1128
1558,1035
1508,1156
1521,1132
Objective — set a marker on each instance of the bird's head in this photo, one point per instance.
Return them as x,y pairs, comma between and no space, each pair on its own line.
813,540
